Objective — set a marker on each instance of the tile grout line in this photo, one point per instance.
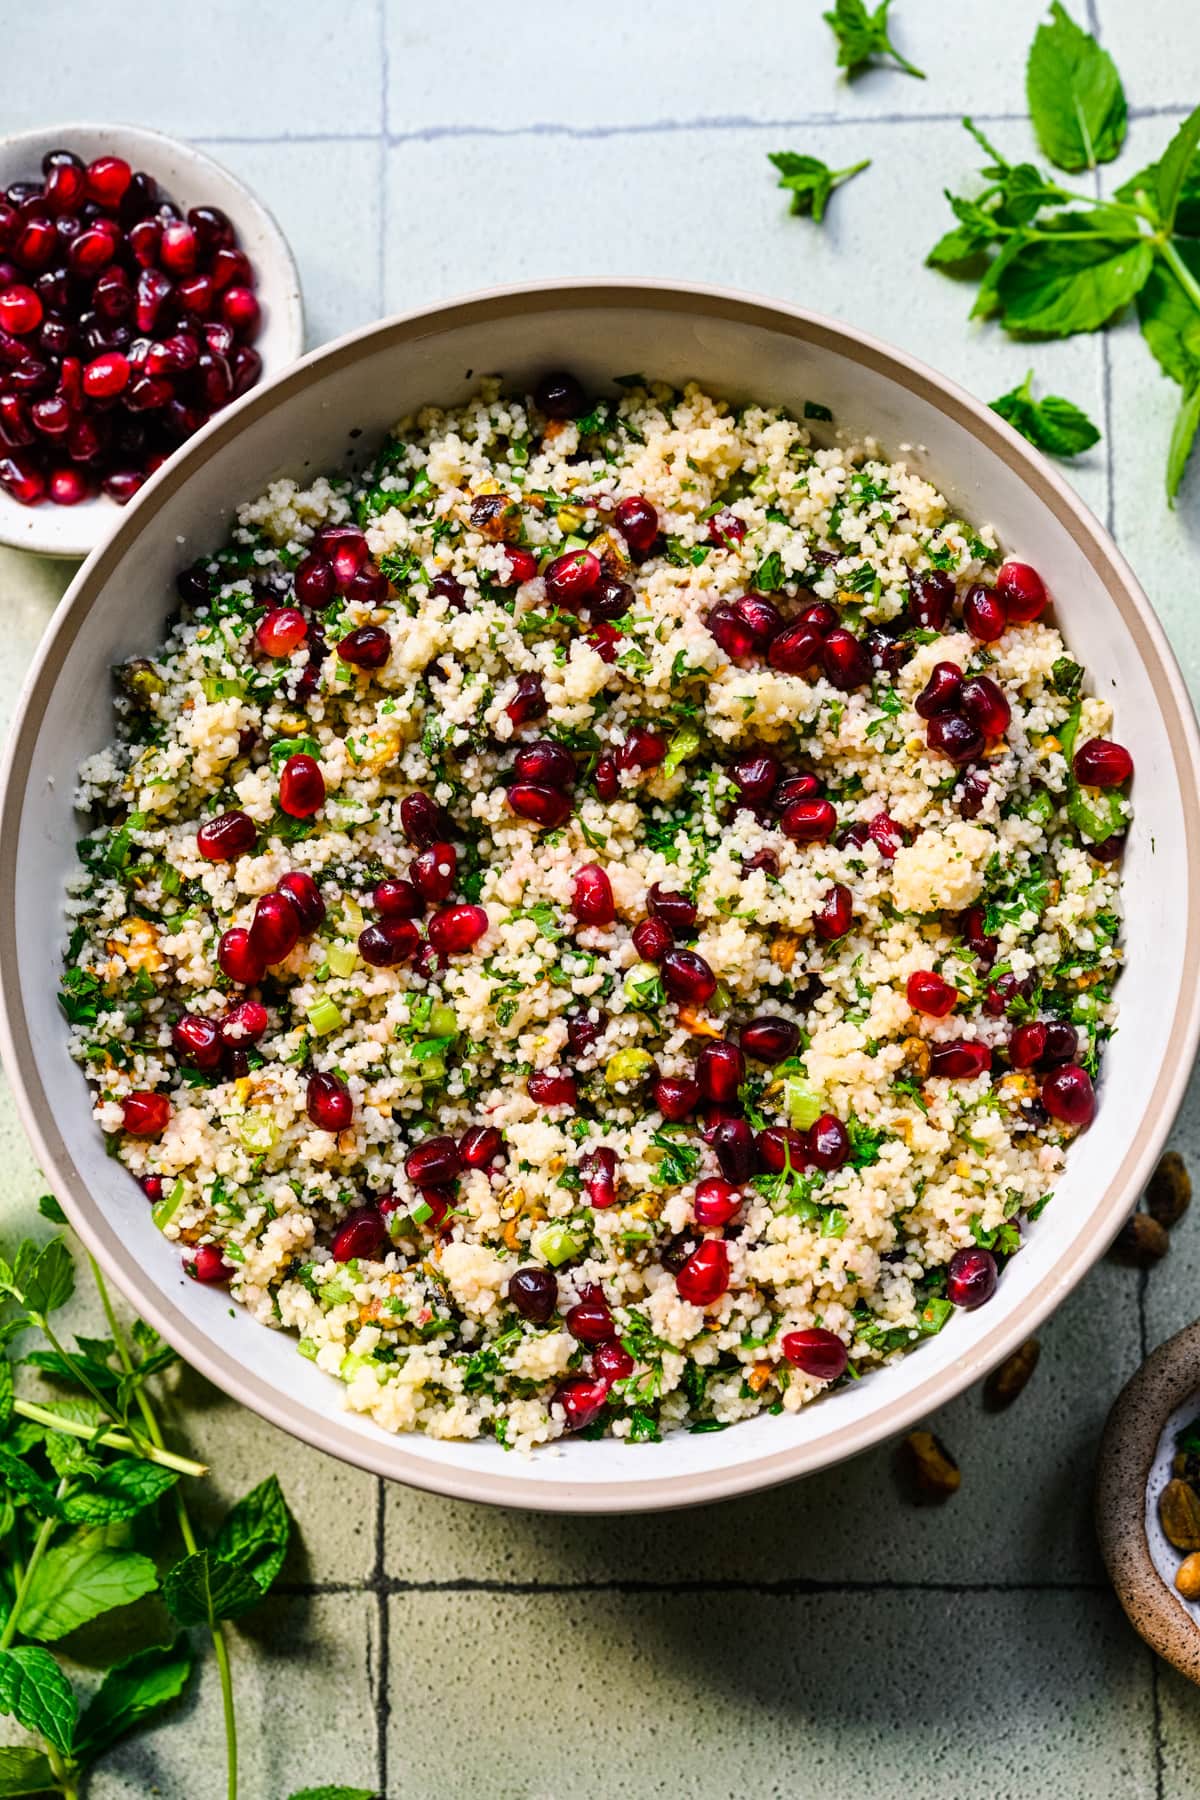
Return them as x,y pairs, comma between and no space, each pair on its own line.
384,83
384,1586
650,127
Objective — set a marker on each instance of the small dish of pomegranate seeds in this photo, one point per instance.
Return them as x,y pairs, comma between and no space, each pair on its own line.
600,917
142,288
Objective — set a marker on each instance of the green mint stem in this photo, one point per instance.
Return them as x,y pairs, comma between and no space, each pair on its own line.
35,1556
113,1440
1181,272
909,68
216,1631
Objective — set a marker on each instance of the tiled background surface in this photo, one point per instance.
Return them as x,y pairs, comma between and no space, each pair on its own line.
822,1640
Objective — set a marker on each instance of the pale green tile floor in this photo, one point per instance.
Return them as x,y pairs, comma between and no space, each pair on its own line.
822,1640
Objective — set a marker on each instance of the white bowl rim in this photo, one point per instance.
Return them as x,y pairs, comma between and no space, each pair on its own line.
284,272
372,1450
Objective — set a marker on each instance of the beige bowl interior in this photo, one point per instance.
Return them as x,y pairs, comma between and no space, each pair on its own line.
311,420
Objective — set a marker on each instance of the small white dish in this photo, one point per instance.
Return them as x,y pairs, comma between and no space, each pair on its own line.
189,178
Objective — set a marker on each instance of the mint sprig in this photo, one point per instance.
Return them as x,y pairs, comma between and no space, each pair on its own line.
810,181
862,36
1052,424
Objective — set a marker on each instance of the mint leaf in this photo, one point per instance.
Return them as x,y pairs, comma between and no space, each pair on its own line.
1171,186
38,1695
78,1581
203,1590
24,1771
1056,286
1055,425
1183,436
23,1484
48,1281
254,1533
1075,96
132,1689
1168,317
6,1392
50,1209
962,244
121,1490
861,35
810,181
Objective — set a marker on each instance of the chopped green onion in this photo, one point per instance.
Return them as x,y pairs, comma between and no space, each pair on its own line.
801,1105
557,1243
324,1017
164,1210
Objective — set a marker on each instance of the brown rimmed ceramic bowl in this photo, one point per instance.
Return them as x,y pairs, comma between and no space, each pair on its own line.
333,407
1135,1466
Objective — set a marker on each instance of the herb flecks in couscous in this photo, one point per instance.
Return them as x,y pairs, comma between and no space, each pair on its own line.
609,924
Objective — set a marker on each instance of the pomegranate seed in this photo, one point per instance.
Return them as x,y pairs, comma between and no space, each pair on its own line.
144,239
112,296
559,395
975,790
606,776
361,1236
762,618
641,749
590,1322
237,960
676,1096
940,693
1062,1042
435,871
1102,764
20,310
953,736
481,1147
240,311
315,585
769,1039
728,629
716,1203
367,648
609,599
779,1147
720,1070
140,197
122,484
549,1089
637,521
447,587
1069,1097
37,240
808,821
546,764
816,1352
583,1031
66,487
522,566
582,1400
542,806
424,822
178,248
106,375
209,1266
599,1171
986,705
704,1277
1109,849
244,1024
733,1142
145,1114
725,529
275,928
928,993
196,1041
16,425
66,180
652,938
301,787
1022,592
398,900
971,1278
1005,992
528,702
845,661
983,614
195,294
534,1294
433,1162
388,944
975,938
457,928
229,265
328,1103
1027,1046
303,894
675,910
687,977
755,776
107,179
152,1187
281,631
960,1060
834,916
931,599
886,835
592,896
828,1143
225,838
571,577
798,650
612,1362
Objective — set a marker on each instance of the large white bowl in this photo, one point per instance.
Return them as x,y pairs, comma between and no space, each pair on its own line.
189,178
337,402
